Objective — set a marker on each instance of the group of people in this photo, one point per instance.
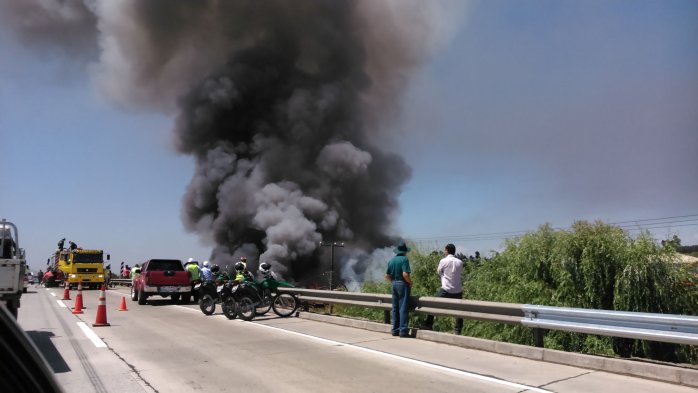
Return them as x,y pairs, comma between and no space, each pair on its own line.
50,277
450,270
207,273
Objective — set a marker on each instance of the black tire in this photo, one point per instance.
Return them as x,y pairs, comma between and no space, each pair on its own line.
265,305
142,297
174,297
230,308
284,304
134,294
12,308
24,290
207,305
246,308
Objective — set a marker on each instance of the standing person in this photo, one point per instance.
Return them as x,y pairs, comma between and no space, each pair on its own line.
398,275
107,276
40,277
192,267
451,272
136,271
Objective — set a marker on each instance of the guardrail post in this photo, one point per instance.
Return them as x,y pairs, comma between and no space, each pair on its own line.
538,337
386,316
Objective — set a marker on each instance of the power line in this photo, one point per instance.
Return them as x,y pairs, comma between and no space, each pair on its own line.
650,223
654,219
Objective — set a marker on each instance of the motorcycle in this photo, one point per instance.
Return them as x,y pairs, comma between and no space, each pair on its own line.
208,296
237,300
210,293
283,304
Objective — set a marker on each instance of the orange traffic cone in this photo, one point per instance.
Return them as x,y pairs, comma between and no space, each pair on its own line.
122,307
101,309
66,292
78,301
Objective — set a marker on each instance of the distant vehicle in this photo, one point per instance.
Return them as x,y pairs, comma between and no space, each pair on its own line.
80,266
31,278
12,267
164,277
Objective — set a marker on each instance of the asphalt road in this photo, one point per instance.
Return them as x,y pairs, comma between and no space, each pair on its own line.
162,347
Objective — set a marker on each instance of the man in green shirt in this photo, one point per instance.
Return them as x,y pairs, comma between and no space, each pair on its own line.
398,274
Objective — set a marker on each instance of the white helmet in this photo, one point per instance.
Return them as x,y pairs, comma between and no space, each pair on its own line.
205,263
190,260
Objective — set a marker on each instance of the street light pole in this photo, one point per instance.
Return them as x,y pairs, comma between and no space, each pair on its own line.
332,245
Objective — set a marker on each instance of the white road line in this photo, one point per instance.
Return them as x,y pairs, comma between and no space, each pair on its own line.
53,294
397,357
413,361
61,304
92,335
187,308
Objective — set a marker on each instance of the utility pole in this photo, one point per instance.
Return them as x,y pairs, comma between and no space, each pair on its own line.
332,245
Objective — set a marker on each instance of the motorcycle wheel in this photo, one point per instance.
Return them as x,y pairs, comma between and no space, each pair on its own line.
284,304
265,305
246,308
207,305
229,308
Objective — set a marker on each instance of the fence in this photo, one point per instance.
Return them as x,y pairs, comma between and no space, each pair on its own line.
120,281
678,329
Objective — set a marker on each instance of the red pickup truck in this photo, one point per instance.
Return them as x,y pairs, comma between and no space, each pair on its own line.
164,277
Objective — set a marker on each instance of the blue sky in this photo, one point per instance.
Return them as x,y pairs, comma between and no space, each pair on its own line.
528,112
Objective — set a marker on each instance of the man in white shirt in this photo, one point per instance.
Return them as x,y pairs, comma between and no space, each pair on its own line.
451,272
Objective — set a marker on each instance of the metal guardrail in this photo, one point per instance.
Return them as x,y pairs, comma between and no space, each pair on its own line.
120,281
679,329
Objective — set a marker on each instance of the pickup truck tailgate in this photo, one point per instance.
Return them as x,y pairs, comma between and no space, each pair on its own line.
167,277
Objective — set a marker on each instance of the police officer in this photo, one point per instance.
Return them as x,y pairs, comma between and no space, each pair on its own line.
206,274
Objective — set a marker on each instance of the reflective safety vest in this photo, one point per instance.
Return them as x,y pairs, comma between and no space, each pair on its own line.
193,270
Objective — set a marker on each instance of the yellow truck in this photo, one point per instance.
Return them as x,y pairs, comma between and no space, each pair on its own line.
78,265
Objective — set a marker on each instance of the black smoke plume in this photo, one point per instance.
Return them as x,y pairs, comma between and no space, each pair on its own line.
282,105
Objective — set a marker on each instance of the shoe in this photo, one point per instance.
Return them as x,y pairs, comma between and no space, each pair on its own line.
404,336
395,334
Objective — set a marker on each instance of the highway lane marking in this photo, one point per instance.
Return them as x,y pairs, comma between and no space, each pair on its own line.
53,294
413,361
92,335
61,304
397,357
